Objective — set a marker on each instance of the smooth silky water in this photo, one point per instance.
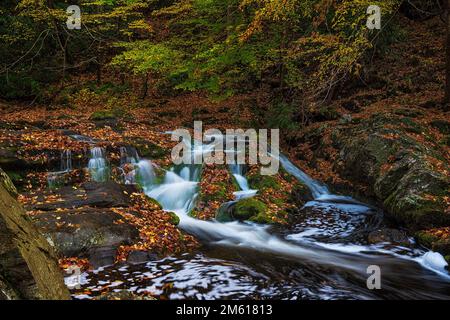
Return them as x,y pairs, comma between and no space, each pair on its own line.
322,256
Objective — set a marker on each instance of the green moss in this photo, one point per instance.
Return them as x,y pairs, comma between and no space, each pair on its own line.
261,218
193,213
103,115
220,195
249,208
175,220
260,182
154,202
148,149
425,239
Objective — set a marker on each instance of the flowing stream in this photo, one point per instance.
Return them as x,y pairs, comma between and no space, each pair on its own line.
324,255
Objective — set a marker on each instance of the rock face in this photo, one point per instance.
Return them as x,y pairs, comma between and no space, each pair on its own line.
28,264
406,175
397,158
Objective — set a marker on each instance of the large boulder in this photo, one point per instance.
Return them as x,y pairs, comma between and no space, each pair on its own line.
95,233
408,176
28,264
82,222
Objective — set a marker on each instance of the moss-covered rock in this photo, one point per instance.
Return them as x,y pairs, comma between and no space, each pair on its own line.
174,219
6,182
261,182
249,209
400,170
155,202
437,239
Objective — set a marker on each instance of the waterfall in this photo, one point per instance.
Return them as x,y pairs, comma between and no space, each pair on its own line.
176,193
58,178
66,161
145,174
98,165
318,190
238,173
128,154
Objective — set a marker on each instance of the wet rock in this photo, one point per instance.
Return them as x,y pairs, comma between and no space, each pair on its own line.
148,149
75,232
138,257
94,194
101,256
301,195
28,264
393,236
435,239
225,212
10,161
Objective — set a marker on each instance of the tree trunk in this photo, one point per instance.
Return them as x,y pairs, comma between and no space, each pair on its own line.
145,87
28,264
447,56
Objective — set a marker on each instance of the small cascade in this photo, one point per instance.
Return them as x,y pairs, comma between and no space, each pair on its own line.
58,178
318,190
145,174
98,165
128,154
66,161
238,173
175,194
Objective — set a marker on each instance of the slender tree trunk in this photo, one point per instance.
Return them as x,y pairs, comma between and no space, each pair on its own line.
145,87
447,56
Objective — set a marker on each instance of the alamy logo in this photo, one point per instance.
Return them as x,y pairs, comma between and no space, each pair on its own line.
233,147
374,280
74,19
374,19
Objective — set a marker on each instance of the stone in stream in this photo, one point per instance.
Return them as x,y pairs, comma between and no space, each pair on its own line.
393,236
28,264
138,257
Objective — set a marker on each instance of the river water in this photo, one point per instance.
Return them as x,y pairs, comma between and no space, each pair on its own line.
324,255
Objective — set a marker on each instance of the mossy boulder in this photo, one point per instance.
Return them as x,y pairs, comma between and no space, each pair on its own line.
6,182
435,239
250,209
399,170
